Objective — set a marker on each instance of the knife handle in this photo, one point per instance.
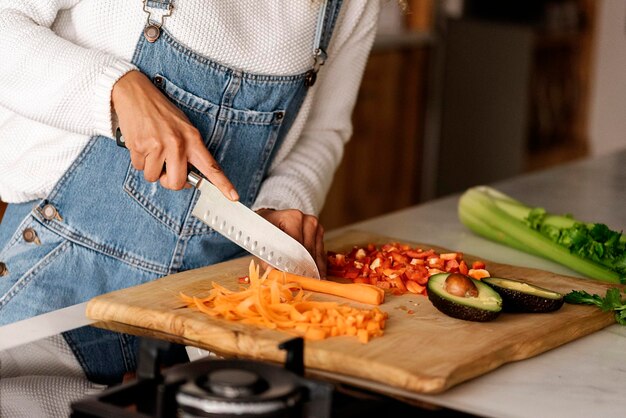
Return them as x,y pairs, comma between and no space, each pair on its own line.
193,174
119,138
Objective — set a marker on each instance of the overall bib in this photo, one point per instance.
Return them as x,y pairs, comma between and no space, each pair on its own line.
103,227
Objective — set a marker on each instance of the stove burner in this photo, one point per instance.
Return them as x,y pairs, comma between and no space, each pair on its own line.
234,383
215,388
242,388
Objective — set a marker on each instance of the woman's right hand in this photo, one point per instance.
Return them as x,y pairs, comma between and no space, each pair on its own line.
157,132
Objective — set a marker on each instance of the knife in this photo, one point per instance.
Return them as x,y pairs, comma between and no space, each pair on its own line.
246,228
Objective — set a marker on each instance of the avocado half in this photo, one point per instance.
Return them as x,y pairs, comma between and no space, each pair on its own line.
519,296
484,307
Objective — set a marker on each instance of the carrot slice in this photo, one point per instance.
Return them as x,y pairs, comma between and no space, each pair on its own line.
358,292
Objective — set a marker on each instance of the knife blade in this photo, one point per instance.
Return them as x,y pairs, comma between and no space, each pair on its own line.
246,228
41,326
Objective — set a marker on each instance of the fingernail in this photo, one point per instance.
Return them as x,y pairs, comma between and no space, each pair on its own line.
234,195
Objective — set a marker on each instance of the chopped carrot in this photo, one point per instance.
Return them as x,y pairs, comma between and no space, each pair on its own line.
277,301
478,273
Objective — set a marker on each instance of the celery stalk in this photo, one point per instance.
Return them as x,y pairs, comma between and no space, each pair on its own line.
503,219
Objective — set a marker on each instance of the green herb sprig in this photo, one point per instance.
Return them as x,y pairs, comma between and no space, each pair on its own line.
612,301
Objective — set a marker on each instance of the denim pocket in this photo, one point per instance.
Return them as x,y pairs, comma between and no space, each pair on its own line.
201,112
241,140
25,261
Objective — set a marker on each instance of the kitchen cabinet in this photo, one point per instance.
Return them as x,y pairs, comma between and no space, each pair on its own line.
484,104
497,91
556,127
381,168
560,90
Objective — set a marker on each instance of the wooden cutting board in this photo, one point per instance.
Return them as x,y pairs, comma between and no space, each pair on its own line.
423,352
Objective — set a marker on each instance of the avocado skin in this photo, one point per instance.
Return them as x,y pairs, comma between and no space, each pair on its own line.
455,310
517,301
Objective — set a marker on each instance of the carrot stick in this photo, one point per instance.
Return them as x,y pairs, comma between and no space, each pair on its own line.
363,293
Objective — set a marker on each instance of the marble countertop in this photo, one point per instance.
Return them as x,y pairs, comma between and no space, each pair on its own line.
584,378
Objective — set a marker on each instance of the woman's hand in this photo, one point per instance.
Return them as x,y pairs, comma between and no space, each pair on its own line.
306,229
157,132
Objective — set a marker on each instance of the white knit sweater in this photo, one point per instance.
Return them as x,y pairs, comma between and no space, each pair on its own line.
61,58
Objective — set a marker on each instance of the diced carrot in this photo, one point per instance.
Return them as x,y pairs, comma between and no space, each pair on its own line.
478,273
315,334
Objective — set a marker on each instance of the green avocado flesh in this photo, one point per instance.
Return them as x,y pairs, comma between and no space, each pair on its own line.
524,297
484,307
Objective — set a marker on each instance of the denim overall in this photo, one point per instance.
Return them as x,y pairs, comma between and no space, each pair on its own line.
103,227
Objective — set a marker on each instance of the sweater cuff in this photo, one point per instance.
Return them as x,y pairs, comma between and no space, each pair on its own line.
282,198
104,118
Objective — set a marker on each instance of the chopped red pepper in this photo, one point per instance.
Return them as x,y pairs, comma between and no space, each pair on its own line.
395,266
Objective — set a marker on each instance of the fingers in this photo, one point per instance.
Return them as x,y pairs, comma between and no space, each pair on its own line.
290,221
309,234
175,175
320,252
305,229
313,241
200,158
176,151
153,167
138,160
156,131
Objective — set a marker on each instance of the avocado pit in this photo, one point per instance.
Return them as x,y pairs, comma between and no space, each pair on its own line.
460,285
484,306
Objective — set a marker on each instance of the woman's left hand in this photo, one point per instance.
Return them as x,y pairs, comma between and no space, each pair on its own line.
306,229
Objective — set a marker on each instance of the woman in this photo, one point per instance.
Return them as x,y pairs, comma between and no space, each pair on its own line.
230,87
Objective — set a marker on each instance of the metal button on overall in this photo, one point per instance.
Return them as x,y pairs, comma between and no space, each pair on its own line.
158,80
152,33
3,269
30,235
50,212
310,78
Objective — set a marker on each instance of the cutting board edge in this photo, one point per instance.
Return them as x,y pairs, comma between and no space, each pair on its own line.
110,312
528,349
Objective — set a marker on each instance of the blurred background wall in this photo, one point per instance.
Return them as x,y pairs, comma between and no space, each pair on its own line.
462,92
607,130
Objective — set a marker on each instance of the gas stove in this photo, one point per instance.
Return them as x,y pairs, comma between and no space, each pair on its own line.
239,388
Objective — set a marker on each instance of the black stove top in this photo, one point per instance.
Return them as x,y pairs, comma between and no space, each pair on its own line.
239,388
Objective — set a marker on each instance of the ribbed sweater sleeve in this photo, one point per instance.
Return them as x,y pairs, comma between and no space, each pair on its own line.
60,84
301,179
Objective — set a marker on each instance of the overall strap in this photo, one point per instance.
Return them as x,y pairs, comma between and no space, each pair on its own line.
158,4
329,11
161,9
